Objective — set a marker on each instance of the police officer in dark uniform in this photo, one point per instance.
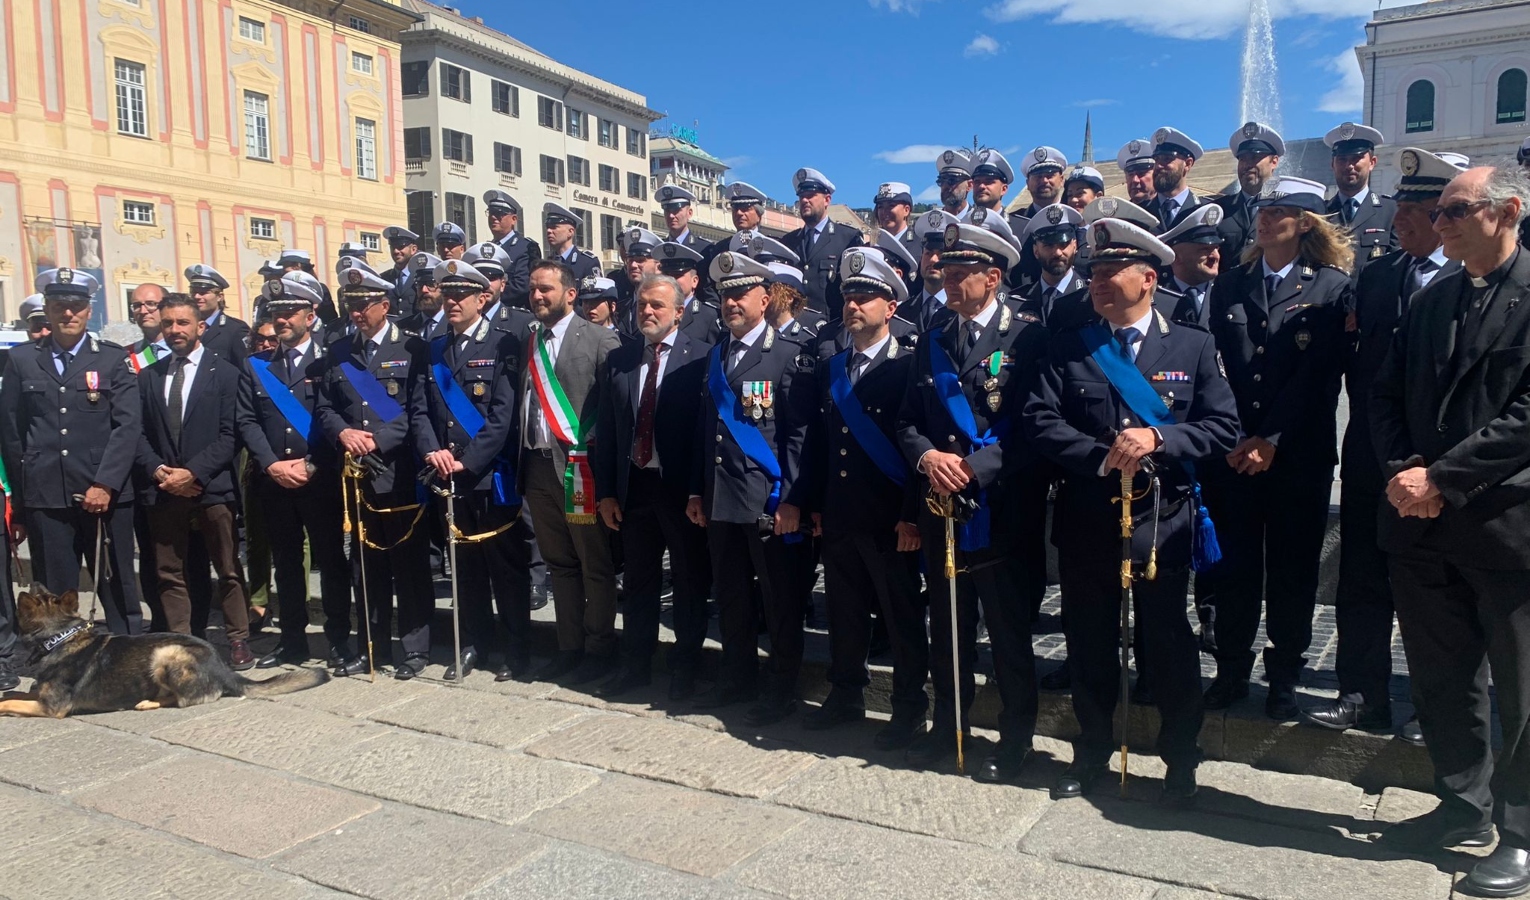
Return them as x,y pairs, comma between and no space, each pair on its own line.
1363,606
371,394
832,339
521,252
969,381
1365,214
892,208
403,244
1174,155
471,397
428,319
451,240
1125,393
1043,168
926,305
820,241
638,246
562,235
746,206
224,335
676,202
1279,324
70,423
1135,160
748,489
1052,234
698,319
1197,241
1258,149
297,482
867,503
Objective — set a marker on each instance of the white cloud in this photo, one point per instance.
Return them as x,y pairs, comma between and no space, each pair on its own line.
898,6
1188,19
1093,104
930,194
1349,94
982,45
913,153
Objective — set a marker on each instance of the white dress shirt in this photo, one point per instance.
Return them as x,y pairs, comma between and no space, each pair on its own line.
669,342
736,350
190,367
538,436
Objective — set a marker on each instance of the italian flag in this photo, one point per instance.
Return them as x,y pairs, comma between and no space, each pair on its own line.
143,359
578,478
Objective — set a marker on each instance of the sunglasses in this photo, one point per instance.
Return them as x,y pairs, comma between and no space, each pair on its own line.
952,180
262,339
1455,212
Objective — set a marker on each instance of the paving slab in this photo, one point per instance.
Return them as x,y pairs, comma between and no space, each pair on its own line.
680,828
213,802
356,696
1400,803
573,873
466,779
16,731
366,856
1276,797
827,859
31,817
272,735
75,760
922,802
1212,853
147,722
479,716
681,754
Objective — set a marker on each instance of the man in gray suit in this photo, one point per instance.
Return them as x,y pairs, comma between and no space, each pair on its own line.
565,366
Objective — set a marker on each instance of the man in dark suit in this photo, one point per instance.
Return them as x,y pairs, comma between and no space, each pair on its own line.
819,242
70,421
187,450
643,463
1364,603
296,474
1174,155
561,380
1196,239
371,400
1126,391
1258,149
866,503
699,320
226,336
676,202
403,244
1365,214
520,251
748,488
1449,415
958,428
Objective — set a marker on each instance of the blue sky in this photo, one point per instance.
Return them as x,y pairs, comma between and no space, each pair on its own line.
866,90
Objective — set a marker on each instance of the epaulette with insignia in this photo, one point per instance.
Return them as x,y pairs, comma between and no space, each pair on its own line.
805,362
114,346
588,253
1030,317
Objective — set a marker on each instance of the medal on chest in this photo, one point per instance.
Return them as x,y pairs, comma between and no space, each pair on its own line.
93,387
991,383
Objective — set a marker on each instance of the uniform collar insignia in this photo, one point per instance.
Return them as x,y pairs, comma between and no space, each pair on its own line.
770,338
1005,317
1163,324
892,349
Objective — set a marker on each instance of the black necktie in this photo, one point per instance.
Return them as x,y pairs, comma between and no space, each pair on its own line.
857,364
367,350
1169,206
736,353
970,338
1416,274
293,355
807,245
177,385
1128,338
1351,207
1271,285
64,358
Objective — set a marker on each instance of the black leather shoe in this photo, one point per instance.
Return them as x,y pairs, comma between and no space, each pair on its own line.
682,685
623,682
932,748
559,666
1505,873
1343,714
723,694
1078,779
1059,679
282,656
1437,830
1224,691
592,668
1005,766
469,663
771,710
336,657
413,665
1412,732
539,595
513,670
837,709
900,732
1280,704
356,665
1179,787
1142,693
9,680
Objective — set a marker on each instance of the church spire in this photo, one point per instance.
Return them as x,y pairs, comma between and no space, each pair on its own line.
1088,157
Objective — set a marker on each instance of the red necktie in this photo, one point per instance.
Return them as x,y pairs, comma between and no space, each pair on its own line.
642,448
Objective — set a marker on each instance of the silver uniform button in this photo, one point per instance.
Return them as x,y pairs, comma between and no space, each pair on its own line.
717,459
63,453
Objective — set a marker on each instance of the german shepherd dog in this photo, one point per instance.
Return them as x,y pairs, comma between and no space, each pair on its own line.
79,671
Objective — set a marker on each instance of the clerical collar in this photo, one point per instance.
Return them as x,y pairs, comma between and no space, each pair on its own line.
1498,274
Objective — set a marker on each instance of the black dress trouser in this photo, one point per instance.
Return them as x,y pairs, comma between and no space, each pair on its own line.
312,510
652,521
1363,613
864,572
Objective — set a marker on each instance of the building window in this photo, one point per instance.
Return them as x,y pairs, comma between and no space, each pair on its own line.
460,209
416,146
263,229
366,149
359,24
372,241
415,78
421,211
552,170
456,146
252,31
360,62
610,179
549,113
135,212
132,106
456,83
507,159
257,126
607,136
1511,97
583,232
507,99
637,186
578,125
637,142
610,231
1420,113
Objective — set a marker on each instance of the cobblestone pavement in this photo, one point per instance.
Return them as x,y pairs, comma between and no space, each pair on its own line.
485,790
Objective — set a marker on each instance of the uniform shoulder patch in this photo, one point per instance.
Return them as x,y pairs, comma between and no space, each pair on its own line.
1030,317
806,362
588,253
